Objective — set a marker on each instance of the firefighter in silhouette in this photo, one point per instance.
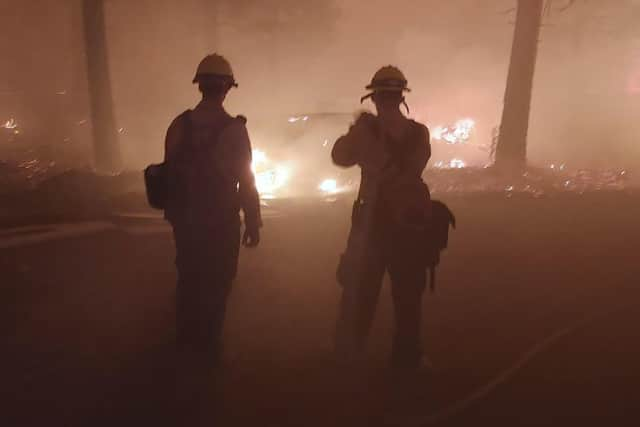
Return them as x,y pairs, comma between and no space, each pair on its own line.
392,205
208,158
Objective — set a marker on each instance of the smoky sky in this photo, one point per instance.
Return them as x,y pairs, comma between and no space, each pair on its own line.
294,57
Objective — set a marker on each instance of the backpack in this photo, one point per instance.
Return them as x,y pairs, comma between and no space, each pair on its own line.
155,182
160,184
436,237
156,176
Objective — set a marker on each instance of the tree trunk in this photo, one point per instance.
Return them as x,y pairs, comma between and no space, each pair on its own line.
511,151
105,138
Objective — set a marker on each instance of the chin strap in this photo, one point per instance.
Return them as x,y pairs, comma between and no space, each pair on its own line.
368,96
364,98
406,106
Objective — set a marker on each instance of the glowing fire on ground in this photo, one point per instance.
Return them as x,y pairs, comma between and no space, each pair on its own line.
273,179
269,178
459,133
329,186
259,159
451,164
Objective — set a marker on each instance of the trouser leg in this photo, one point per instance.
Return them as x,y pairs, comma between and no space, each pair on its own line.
206,264
357,309
200,312
200,320
408,284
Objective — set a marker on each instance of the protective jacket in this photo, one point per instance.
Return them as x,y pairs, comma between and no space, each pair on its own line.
209,172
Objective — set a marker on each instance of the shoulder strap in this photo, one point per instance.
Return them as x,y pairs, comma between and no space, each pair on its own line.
432,279
225,124
187,129
229,120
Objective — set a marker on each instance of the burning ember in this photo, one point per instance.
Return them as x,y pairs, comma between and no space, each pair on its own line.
297,119
12,126
536,182
452,164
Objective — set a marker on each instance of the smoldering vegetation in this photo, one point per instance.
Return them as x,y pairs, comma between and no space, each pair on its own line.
302,57
93,315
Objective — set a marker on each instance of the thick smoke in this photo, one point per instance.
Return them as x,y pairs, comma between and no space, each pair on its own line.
296,57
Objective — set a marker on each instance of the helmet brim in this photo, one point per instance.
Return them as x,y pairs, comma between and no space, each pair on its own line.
373,92
387,88
229,79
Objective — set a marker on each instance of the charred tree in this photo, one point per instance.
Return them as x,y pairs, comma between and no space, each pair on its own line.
511,149
107,155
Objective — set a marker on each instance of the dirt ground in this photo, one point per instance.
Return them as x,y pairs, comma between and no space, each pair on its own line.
534,322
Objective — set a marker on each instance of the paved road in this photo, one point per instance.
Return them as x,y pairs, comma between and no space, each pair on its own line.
533,323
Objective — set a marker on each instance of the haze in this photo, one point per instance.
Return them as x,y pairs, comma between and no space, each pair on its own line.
304,56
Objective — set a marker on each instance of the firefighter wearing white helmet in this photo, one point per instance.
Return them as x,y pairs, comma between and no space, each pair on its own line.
215,66
392,206
208,158
388,79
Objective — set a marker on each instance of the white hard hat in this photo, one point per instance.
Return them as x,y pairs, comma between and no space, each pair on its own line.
215,65
388,78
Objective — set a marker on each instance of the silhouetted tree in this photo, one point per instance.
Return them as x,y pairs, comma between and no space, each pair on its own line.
107,155
511,149
512,140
